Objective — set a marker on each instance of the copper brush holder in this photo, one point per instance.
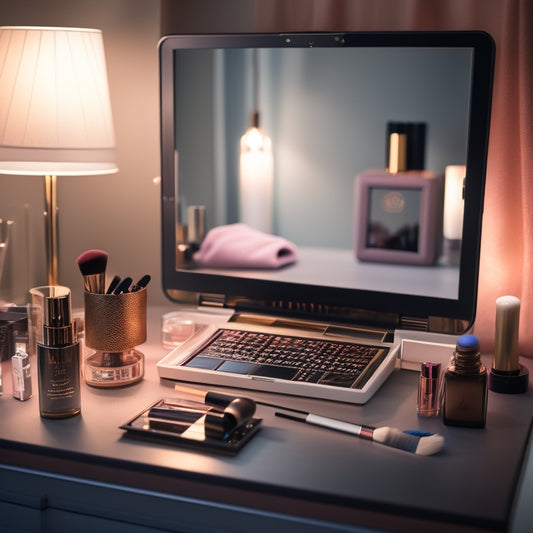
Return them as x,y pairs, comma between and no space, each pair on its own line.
114,325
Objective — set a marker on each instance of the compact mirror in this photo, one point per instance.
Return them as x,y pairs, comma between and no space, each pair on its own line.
329,104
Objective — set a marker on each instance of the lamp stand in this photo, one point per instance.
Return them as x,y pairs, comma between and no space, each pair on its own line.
51,228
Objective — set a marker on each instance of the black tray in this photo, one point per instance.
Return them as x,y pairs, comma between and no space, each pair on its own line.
187,427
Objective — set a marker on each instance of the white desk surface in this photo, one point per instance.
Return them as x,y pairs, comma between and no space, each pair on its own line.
331,267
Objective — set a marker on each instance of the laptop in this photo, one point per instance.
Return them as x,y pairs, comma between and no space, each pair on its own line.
368,253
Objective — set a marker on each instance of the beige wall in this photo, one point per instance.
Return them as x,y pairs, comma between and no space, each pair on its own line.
118,213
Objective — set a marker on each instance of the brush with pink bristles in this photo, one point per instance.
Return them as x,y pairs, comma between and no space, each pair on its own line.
92,265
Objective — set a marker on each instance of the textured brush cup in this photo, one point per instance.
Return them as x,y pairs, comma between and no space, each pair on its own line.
114,325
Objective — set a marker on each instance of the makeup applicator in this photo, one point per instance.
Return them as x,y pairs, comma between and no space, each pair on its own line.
413,441
220,421
92,265
507,375
246,406
418,442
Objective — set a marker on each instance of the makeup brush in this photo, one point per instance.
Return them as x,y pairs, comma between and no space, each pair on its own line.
217,399
142,283
92,264
123,286
113,284
418,442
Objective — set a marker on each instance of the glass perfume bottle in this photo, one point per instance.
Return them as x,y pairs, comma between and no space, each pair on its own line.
58,357
466,386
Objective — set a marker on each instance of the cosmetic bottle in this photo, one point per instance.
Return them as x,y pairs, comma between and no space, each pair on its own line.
397,210
466,386
21,373
428,403
507,375
58,357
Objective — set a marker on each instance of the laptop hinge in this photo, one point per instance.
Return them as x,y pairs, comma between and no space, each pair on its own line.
414,323
212,300
435,324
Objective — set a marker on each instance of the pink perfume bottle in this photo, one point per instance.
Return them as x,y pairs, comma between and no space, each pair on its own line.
397,211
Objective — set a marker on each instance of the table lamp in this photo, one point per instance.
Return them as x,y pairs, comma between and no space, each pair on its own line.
55,112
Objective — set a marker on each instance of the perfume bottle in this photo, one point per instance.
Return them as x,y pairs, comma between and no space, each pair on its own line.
397,209
466,386
58,357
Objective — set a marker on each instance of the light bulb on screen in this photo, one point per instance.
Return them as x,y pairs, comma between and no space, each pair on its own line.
256,178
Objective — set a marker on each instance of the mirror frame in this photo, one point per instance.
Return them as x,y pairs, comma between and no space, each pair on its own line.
335,303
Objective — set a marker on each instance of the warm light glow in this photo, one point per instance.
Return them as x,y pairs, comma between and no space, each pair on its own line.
55,111
453,202
256,180
254,141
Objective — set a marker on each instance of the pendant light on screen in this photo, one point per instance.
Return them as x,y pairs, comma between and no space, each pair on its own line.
256,176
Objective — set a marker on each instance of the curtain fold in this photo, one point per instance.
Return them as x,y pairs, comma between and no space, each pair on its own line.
507,240
525,116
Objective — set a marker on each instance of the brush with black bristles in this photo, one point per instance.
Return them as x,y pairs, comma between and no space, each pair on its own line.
92,264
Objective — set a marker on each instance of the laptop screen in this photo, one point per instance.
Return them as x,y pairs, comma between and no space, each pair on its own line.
367,189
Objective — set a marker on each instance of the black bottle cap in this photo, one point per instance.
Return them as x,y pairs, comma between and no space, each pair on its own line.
515,382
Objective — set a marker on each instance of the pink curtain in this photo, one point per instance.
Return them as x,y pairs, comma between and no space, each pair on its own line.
507,241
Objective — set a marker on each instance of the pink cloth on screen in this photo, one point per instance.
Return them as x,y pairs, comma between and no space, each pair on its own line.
240,246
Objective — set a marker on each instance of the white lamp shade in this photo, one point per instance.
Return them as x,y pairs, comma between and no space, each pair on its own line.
55,111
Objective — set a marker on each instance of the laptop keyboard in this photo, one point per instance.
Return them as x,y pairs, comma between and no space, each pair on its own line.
293,358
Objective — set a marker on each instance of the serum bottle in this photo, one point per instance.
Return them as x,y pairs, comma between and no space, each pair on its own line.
58,358
466,386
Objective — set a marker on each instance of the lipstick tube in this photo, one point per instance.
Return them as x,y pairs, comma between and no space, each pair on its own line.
507,375
428,403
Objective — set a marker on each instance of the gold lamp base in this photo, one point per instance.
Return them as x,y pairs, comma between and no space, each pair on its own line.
51,228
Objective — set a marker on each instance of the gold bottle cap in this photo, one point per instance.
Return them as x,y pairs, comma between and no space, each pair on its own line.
397,153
